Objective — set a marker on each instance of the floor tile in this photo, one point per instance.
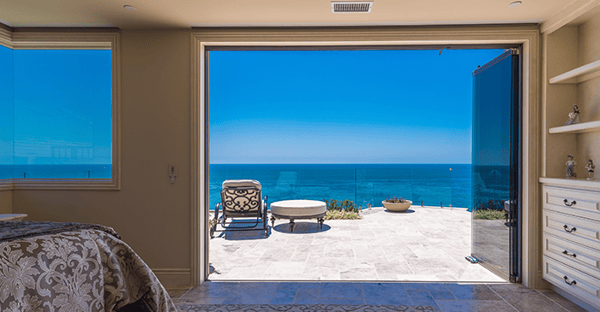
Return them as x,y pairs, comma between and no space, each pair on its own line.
564,302
329,301
472,292
525,299
176,292
422,298
474,305
386,294
341,290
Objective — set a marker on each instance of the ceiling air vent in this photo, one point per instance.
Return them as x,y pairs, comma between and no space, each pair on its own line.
351,7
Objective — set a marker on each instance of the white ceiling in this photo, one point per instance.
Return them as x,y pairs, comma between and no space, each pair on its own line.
187,13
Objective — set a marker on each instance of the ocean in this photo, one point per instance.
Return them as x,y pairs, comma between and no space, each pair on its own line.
364,184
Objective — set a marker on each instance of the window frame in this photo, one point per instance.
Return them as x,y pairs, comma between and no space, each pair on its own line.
96,39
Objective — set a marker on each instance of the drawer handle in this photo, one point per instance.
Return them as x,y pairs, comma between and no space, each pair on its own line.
574,282
571,230
567,203
570,255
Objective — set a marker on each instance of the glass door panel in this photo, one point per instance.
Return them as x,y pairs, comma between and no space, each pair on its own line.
495,161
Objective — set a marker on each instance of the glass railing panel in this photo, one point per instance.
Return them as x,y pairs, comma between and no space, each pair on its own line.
434,185
461,185
378,182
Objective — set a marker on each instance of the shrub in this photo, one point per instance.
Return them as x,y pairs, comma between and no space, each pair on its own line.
396,200
341,205
342,215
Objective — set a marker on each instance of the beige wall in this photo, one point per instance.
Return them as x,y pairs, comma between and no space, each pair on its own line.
151,214
5,202
589,95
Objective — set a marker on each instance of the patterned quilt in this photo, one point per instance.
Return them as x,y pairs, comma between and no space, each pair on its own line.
47,266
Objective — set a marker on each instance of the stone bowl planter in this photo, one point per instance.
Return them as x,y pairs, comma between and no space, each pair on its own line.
400,207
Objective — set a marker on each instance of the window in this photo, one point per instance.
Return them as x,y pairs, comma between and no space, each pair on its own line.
59,102
6,112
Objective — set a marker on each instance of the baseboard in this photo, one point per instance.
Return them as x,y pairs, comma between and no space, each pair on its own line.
574,299
174,278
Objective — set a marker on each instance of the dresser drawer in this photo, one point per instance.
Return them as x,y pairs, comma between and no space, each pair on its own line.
576,202
575,255
583,231
577,283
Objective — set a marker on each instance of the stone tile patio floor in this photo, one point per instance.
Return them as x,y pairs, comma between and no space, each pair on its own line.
441,296
423,244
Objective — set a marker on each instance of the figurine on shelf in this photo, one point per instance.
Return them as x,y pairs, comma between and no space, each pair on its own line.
571,167
574,116
590,167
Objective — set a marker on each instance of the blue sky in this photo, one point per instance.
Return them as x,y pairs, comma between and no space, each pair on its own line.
389,106
61,103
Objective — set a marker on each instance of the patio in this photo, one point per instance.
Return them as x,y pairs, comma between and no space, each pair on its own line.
423,244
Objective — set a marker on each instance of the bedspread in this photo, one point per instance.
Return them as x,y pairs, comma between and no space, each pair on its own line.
77,270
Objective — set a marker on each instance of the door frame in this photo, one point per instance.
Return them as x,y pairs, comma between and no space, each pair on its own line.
525,35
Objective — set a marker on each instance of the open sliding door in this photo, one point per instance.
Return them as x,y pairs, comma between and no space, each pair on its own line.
496,162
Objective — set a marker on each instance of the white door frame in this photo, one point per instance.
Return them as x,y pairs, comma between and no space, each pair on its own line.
526,36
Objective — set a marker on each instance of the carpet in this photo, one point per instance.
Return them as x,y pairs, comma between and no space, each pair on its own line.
300,308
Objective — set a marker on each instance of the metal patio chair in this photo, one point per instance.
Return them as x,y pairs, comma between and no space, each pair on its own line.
241,199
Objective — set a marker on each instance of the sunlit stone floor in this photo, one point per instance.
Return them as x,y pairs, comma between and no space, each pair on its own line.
423,244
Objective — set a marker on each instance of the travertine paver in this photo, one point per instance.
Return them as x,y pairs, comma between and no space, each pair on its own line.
423,244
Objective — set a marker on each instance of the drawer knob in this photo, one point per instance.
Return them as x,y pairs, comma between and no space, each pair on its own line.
567,202
570,255
569,230
574,282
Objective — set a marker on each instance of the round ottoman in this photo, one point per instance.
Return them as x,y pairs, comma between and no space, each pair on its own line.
298,209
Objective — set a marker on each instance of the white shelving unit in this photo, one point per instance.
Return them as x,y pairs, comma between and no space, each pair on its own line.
577,128
569,203
579,74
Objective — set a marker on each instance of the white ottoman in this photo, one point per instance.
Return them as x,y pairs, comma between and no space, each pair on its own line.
298,209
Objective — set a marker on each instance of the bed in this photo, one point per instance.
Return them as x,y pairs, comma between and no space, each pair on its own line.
50,266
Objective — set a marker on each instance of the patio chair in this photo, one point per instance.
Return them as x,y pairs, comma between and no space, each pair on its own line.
241,199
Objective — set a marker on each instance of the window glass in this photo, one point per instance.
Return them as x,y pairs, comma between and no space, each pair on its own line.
62,114
6,112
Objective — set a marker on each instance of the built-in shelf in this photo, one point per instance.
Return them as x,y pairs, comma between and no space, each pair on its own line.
577,128
578,182
579,74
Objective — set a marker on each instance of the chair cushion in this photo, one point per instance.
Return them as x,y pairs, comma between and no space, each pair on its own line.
238,183
298,208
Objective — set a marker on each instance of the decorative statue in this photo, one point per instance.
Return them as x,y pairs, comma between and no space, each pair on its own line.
590,167
571,167
574,116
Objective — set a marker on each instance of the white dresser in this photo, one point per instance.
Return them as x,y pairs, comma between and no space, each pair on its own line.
571,238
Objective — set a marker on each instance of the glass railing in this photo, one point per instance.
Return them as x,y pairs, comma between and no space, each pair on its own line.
428,184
